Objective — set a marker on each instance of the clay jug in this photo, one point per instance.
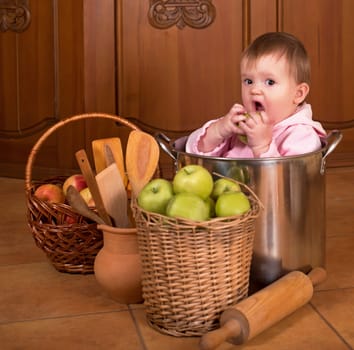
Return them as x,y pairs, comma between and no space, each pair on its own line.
117,265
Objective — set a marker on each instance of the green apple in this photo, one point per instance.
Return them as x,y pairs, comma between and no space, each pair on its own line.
188,206
232,203
211,205
223,185
243,138
239,173
155,195
195,179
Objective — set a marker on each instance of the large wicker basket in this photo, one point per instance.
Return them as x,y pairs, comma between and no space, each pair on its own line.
192,271
72,247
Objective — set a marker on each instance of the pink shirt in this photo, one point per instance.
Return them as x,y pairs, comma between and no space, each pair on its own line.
295,135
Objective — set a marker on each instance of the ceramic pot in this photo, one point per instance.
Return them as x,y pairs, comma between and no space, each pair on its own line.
117,265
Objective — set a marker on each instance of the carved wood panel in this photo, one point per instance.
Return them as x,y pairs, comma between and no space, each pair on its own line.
193,13
15,15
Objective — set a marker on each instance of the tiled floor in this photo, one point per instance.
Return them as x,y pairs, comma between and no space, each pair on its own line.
41,308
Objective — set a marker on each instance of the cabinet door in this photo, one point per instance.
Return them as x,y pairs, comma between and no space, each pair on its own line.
176,78
326,28
173,76
61,64
27,80
40,83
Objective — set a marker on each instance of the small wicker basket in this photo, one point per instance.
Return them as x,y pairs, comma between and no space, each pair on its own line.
73,247
192,271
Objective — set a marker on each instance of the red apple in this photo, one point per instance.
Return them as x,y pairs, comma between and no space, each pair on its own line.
87,196
70,220
77,180
50,193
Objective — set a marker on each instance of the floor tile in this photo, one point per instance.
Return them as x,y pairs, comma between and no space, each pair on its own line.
304,329
36,291
337,307
339,263
155,340
339,202
17,245
102,331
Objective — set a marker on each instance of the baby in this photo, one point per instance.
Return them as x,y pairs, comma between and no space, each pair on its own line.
274,119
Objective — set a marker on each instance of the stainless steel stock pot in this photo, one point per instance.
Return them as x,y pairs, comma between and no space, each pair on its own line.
290,232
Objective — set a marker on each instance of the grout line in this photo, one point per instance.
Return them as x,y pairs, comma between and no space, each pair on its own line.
331,327
93,313
334,289
140,336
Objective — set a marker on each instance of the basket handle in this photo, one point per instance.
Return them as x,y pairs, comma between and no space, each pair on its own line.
51,130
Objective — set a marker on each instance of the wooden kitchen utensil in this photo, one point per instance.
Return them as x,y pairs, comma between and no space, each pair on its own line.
113,191
80,206
141,160
263,309
100,159
89,176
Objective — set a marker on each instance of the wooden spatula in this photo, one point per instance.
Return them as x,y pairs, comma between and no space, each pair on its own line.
89,176
100,159
113,191
141,159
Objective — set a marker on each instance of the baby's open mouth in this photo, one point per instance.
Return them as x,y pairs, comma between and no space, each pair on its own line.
258,106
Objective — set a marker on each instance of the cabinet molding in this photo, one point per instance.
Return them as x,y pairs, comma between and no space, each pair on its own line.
15,15
193,13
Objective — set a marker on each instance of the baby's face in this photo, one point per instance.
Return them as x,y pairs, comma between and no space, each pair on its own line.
269,86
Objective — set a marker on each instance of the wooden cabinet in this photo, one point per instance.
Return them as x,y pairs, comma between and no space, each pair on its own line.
168,73
175,79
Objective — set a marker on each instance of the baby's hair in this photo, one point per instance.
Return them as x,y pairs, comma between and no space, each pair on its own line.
282,43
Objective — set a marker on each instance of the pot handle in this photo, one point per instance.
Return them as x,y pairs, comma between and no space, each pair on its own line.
164,142
332,140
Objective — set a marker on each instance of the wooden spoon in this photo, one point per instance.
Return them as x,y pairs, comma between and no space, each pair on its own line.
79,205
141,160
98,148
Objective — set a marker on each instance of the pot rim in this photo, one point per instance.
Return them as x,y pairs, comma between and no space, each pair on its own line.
329,143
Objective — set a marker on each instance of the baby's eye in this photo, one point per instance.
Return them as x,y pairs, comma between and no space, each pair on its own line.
247,81
270,82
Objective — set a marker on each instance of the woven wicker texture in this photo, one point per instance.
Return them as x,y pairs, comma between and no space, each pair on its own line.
193,271
73,247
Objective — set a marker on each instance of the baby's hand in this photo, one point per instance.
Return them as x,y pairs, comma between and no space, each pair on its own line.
228,125
258,130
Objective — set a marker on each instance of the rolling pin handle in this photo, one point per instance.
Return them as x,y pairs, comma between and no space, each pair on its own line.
317,275
212,340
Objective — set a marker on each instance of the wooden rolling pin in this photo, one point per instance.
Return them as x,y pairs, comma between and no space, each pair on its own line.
263,309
